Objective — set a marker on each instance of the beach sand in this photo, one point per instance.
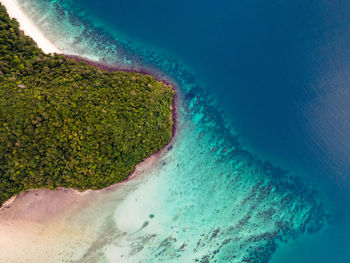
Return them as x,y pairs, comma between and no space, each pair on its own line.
28,27
57,225
43,225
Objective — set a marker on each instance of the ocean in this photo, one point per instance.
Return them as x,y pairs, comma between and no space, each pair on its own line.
259,169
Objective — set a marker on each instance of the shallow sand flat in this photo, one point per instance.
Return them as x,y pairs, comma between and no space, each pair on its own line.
30,242
44,226
61,225
209,199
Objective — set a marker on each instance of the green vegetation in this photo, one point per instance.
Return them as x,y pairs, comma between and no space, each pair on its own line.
65,123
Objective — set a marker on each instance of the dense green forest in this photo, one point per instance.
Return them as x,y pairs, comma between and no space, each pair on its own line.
65,123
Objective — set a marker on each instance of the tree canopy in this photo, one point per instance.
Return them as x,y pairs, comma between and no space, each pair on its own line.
66,123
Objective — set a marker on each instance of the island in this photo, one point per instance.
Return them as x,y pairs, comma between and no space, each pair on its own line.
67,123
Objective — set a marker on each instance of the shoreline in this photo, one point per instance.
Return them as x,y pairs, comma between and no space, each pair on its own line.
47,47
111,68
150,159
28,27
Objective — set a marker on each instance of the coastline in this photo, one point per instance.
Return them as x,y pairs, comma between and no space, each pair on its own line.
111,68
28,27
46,46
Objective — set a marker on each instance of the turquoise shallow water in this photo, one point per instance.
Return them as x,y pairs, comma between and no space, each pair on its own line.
276,71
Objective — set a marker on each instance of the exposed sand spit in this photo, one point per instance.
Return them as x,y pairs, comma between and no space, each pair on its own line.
60,225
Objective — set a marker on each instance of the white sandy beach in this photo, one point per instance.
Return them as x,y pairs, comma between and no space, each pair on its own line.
28,27
48,226
60,225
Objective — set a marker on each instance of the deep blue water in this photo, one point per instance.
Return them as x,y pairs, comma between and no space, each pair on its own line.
268,63
279,70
